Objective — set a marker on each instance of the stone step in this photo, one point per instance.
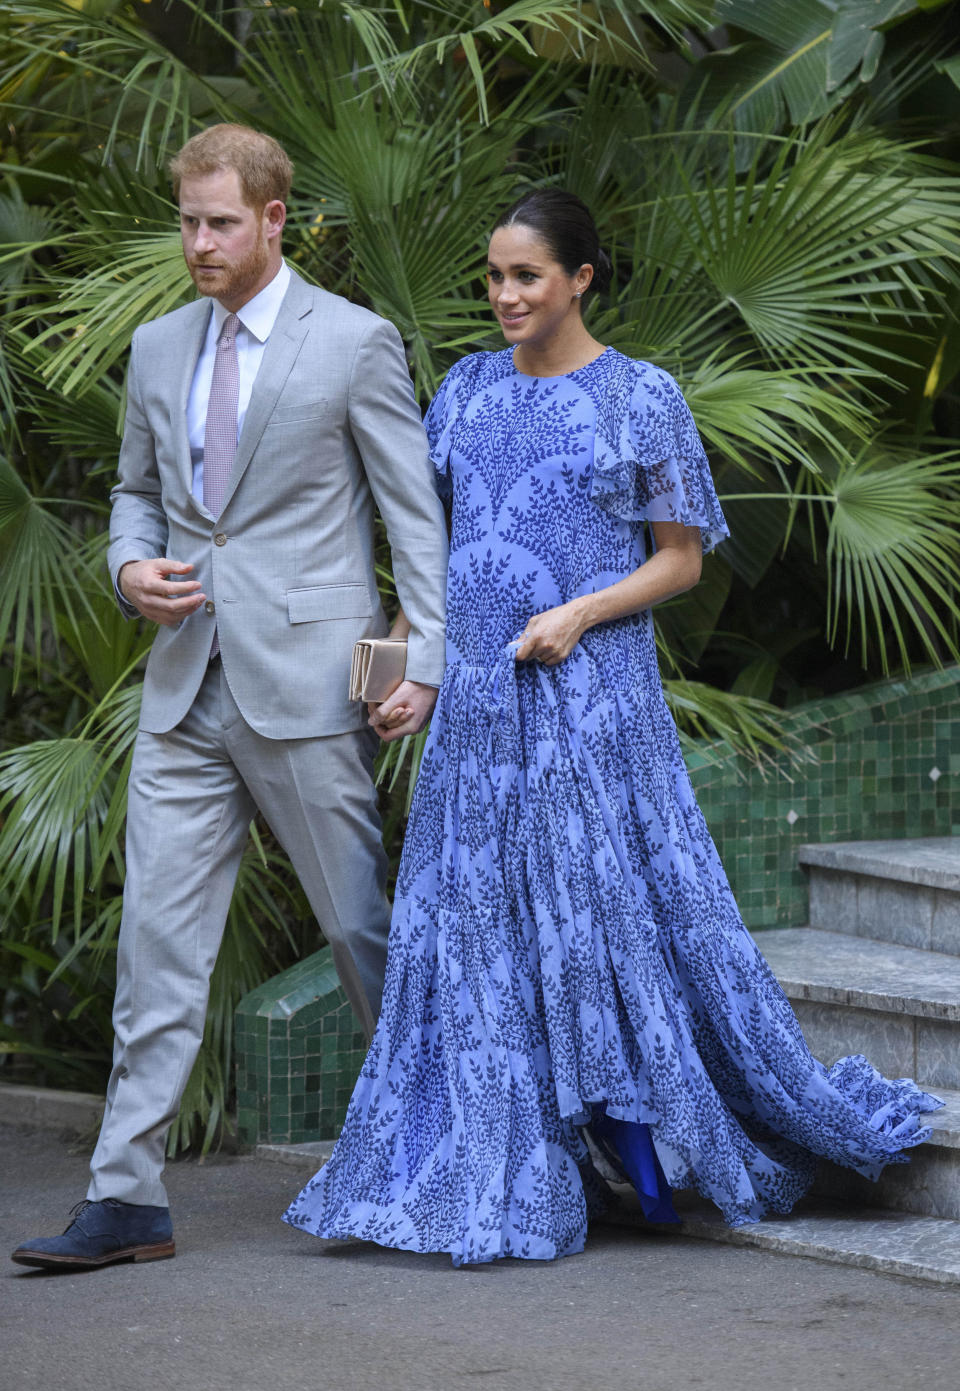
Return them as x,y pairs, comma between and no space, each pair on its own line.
945,1124
895,1243
898,1005
901,891
928,1186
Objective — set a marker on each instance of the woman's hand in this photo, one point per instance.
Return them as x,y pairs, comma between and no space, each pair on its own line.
550,637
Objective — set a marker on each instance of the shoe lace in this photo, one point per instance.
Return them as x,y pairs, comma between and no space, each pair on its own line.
76,1212
78,1209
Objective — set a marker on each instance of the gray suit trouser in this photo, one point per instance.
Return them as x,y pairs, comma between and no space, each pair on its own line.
193,793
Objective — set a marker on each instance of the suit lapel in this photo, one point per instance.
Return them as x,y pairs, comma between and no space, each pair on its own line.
283,346
187,351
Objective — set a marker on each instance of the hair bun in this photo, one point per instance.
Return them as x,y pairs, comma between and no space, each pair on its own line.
603,272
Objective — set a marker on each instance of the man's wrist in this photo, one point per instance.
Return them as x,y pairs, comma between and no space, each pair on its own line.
126,603
119,580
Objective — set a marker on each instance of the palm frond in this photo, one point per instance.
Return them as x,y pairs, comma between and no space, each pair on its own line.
893,552
416,259
34,581
62,803
470,38
400,759
83,426
99,310
151,92
808,255
774,414
53,803
714,723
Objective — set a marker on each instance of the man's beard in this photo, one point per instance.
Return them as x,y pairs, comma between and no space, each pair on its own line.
230,281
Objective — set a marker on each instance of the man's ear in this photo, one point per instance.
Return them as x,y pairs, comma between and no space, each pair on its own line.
275,216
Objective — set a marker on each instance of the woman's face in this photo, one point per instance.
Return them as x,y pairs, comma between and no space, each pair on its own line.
531,294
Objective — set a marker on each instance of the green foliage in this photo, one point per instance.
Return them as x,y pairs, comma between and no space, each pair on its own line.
778,187
797,62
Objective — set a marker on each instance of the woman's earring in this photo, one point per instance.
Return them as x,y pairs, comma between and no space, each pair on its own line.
579,294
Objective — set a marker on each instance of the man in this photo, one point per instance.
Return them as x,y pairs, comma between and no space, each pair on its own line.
264,421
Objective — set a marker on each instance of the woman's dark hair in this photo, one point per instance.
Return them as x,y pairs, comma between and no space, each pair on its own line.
566,225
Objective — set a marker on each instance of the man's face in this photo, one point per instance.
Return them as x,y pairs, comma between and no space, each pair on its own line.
232,250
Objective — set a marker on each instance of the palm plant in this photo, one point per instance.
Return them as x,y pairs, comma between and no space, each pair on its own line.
784,243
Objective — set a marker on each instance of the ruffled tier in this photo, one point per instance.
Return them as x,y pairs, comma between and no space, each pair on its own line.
565,945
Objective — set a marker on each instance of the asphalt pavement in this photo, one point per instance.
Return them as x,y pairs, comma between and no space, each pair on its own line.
250,1303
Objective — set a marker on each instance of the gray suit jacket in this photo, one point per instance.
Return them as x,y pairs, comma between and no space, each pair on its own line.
332,429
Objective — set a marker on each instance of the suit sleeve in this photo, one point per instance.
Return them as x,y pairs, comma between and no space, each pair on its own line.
386,426
138,523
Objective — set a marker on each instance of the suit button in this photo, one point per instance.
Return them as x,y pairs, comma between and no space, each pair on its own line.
209,607
220,539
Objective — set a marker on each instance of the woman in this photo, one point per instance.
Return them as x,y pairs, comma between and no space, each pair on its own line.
567,968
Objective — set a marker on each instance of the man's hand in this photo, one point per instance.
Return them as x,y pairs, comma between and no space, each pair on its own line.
147,585
404,712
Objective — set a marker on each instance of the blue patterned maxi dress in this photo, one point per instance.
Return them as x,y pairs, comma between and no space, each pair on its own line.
565,947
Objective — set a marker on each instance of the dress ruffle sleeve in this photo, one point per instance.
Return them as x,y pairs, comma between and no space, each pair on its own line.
649,463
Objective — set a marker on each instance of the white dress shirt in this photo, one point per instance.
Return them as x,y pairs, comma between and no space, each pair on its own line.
257,318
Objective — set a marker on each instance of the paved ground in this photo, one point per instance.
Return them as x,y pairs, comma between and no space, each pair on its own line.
249,1303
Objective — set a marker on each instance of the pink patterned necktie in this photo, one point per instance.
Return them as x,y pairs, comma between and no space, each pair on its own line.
220,433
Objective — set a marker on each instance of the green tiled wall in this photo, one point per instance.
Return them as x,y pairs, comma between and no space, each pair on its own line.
299,1049
885,764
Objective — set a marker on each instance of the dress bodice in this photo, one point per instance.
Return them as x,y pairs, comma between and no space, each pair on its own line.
551,480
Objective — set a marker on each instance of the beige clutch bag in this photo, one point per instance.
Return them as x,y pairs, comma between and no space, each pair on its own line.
377,668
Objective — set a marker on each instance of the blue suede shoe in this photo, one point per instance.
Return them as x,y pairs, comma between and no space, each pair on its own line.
101,1234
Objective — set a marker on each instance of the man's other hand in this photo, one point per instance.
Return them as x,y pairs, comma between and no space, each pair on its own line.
148,585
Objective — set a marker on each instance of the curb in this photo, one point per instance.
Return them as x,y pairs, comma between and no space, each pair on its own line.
309,1156
78,1112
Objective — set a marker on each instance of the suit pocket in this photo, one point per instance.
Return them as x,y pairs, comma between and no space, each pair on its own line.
303,410
328,601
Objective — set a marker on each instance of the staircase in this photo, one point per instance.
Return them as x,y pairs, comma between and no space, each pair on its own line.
878,972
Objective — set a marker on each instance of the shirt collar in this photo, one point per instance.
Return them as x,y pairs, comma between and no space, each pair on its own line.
259,314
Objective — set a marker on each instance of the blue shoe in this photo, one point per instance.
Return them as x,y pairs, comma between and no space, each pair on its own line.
101,1234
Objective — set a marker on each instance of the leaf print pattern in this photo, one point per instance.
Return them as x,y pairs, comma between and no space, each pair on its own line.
565,532
487,605
565,951
513,434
